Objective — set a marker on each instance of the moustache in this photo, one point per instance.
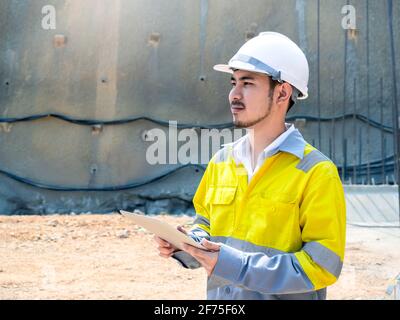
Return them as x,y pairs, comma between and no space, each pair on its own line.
238,103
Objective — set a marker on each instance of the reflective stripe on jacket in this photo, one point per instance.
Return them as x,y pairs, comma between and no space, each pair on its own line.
283,234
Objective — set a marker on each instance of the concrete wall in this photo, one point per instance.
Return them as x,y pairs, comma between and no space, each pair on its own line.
125,59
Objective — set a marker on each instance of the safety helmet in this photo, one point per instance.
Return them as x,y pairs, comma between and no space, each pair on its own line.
276,55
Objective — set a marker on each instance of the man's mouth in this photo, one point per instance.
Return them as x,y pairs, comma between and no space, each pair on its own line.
237,108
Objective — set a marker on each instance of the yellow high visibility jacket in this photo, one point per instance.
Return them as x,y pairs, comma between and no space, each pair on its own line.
282,234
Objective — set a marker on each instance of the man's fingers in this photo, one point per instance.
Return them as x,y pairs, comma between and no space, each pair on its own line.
180,228
198,254
192,250
165,255
162,242
165,250
187,248
210,245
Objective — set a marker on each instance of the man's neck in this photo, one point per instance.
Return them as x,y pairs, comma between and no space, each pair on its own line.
262,135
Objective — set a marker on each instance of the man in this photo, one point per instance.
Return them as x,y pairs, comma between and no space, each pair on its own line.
270,207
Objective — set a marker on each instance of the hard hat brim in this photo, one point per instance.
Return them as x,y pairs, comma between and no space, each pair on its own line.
223,68
237,65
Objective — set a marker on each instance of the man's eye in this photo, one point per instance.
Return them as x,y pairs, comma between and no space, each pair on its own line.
247,83
233,84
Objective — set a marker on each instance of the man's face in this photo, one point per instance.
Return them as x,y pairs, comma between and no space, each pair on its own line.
250,98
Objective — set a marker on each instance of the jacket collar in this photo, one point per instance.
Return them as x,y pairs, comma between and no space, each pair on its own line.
294,143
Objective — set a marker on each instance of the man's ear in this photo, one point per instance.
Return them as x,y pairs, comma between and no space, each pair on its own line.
284,93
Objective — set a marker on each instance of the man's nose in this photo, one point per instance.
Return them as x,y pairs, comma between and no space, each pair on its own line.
236,93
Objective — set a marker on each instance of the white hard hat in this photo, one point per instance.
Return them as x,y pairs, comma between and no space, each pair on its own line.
276,55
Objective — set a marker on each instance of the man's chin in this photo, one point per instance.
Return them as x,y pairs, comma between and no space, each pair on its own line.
249,124
242,125
238,125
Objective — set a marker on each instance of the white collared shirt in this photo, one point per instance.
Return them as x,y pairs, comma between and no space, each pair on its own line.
242,150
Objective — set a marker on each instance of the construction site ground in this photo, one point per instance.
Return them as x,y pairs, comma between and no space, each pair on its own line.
107,257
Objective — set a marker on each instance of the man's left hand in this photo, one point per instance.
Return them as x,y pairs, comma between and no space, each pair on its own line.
208,258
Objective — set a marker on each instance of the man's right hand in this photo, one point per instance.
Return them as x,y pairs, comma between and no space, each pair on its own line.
166,249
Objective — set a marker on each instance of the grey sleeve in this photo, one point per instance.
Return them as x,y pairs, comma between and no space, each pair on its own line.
280,274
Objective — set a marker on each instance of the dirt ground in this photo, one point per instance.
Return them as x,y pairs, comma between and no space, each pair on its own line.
106,257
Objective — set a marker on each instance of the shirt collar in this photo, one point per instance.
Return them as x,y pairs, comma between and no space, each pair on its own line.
294,144
290,141
276,144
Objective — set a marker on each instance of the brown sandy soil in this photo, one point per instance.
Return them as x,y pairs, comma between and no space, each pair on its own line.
106,257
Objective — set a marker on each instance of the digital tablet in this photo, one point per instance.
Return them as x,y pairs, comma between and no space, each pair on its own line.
161,229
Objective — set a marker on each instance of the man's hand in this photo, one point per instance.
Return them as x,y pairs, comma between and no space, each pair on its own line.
166,250
207,258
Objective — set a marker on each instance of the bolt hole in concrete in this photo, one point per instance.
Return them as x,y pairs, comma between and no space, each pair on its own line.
97,129
59,40
154,39
147,136
93,169
7,83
